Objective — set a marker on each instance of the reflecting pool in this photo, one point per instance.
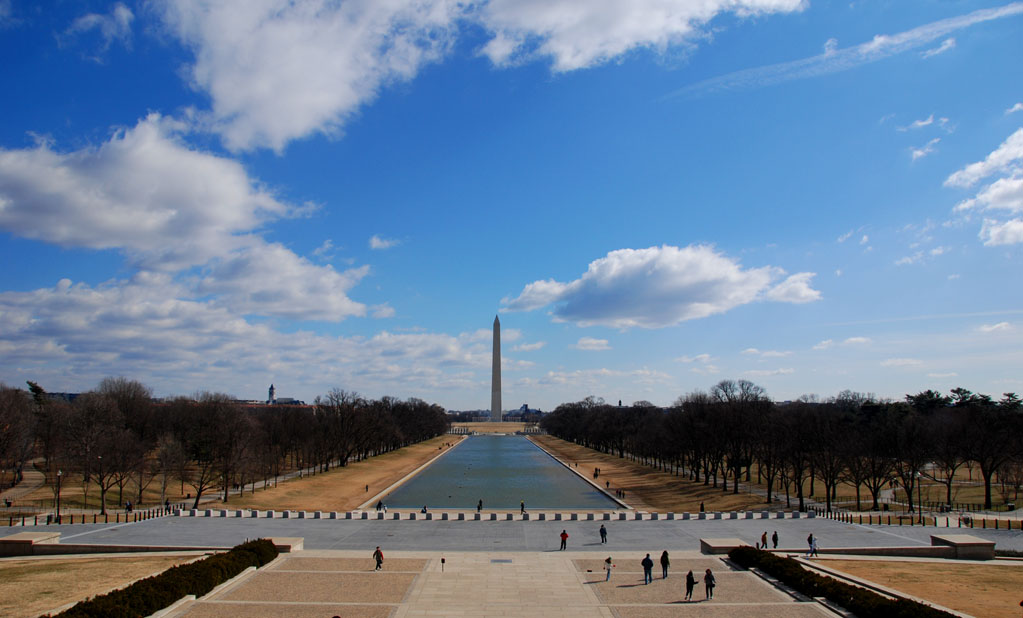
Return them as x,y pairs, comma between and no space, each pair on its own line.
500,470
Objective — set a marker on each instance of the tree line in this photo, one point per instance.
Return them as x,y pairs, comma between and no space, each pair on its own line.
735,431
117,437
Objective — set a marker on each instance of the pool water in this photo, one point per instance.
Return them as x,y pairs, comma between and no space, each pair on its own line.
502,471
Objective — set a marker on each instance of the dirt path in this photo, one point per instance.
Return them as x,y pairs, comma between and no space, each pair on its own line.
343,489
647,488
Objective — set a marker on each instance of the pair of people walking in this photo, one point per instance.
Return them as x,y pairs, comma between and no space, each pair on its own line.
709,581
648,567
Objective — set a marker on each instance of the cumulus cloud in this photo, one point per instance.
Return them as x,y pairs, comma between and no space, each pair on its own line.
591,344
377,242
833,60
529,347
660,286
824,345
946,45
72,335
1015,108
995,233
900,362
280,70
1003,158
115,26
1003,194
856,341
169,209
581,33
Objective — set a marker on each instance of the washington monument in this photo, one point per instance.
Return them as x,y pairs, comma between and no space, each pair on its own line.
495,380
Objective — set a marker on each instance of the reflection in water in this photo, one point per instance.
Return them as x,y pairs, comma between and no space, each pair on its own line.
501,471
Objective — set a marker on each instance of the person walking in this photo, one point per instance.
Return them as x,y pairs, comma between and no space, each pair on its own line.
603,534
648,569
809,544
709,582
774,540
479,505
665,563
813,549
607,567
763,540
564,540
378,556
522,507
690,584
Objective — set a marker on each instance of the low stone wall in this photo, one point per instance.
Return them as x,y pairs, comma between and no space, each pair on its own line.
406,515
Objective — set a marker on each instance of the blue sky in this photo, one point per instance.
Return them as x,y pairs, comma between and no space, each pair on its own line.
653,195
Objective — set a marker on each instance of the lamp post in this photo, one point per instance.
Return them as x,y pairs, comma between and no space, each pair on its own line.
920,497
60,473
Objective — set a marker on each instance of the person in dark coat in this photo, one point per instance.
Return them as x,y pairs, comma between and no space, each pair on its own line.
665,563
378,556
709,582
648,569
774,539
690,584
603,534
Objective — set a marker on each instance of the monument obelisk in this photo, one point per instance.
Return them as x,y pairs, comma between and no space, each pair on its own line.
495,379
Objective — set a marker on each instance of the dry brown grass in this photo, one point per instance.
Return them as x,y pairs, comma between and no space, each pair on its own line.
30,587
976,589
343,489
647,488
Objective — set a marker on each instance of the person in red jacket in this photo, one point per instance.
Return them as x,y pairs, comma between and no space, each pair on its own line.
564,539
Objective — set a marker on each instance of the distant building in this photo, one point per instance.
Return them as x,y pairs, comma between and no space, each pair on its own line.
272,396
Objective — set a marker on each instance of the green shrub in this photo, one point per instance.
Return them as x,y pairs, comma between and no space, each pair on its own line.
154,593
864,603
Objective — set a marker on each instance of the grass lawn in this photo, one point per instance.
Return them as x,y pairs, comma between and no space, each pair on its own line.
30,587
976,589
343,489
645,487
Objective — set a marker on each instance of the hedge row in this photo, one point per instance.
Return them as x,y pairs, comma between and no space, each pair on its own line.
152,594
864,603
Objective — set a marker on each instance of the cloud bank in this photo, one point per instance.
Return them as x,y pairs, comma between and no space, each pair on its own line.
660,286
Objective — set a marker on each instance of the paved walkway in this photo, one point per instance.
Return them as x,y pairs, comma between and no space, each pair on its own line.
556,584
31,480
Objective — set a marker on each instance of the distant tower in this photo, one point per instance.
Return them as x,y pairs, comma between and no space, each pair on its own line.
495,379
272,398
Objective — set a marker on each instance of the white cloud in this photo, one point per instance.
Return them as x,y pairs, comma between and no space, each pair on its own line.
582,33
919,124
836,60
116,26
794,289
950,374
377,242
591,344
946,45
279,70
927,149
995,233
325,251
766,353
954,276
845,237
1015,108
824,345
900,362
995,328
143,191
170,209
699,358
856,341
659,286
763,373
72,335
1007,155
382,311
1002,194
529,347
865,239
